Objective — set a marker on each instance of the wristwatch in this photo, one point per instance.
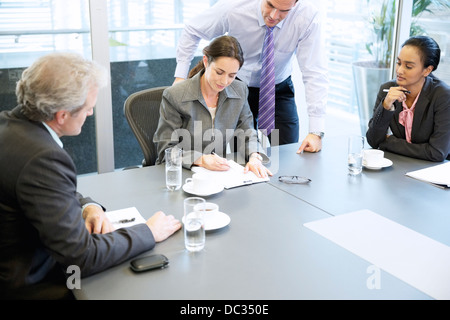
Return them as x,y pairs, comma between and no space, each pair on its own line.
319,134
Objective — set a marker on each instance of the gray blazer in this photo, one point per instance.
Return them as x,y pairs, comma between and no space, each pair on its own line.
430,134
186,121
41,225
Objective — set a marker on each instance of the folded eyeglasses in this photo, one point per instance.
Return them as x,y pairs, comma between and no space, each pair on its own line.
294,179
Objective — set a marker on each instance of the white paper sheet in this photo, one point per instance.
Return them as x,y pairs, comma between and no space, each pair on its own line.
118,217
406,254
234,177
438,175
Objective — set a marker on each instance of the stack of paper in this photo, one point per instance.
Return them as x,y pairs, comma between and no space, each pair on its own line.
438,175
234,177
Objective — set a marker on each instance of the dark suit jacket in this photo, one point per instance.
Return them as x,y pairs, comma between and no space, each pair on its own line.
40,211
430,134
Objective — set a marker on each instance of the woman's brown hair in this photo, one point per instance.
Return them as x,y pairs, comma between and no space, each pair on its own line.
223,46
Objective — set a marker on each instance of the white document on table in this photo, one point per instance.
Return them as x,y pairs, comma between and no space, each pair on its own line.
406,254
234,177
123,218
438,175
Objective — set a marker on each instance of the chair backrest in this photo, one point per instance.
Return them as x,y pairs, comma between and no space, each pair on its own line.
141,110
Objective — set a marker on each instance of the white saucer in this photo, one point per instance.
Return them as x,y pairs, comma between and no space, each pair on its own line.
384,164
187,187
214,221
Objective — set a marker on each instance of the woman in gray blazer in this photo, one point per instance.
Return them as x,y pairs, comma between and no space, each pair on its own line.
209,111
415,106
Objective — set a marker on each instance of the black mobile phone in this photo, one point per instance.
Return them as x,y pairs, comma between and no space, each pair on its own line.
155,261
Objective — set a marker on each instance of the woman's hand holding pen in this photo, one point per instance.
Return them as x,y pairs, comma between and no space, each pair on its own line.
394,94
212,162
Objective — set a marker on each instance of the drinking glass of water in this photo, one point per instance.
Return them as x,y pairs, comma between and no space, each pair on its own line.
194,223
173,168
355,154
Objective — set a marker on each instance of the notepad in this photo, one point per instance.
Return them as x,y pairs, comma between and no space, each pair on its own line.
438,175
123,218
232,178
406,254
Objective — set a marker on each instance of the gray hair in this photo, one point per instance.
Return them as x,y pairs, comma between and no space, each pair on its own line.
57,81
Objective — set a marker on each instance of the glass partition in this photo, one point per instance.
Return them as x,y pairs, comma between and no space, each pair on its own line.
143,41
359,36
434,20
30,29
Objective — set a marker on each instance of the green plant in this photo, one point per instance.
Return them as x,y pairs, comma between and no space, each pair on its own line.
382,28
421,6
382,24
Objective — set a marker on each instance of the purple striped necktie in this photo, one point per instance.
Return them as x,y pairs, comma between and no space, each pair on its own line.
266,113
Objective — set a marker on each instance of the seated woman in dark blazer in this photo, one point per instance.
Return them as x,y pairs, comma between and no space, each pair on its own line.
416,107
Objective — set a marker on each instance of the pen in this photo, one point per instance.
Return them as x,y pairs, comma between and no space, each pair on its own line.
405,91
125,220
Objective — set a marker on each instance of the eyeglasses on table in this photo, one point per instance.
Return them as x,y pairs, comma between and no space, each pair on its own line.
294,179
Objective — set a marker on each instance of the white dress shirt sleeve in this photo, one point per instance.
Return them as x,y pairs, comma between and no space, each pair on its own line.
312,60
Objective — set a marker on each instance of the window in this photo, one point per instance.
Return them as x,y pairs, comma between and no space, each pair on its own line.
30,29
142,41
353,26
435,22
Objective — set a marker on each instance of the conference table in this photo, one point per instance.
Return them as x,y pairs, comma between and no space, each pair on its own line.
389,192
266,252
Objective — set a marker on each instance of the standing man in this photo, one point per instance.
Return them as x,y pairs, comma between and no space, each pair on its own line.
45,224
293,30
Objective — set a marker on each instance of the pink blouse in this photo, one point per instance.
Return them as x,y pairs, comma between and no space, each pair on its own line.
406,118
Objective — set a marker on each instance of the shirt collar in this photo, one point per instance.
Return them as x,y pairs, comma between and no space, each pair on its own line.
54,135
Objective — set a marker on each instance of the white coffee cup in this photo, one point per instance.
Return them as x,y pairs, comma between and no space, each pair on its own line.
373,157
202,183
211,208
210,213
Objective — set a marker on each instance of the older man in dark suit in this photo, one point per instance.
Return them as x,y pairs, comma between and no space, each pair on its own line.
45,224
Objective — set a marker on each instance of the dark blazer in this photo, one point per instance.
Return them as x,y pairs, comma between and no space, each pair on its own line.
41,225
430,134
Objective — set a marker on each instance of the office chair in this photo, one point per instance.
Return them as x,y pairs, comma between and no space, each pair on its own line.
141,110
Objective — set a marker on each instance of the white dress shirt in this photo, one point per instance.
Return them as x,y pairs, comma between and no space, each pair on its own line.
53,134
298,35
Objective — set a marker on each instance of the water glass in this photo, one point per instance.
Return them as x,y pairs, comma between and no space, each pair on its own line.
355,154
194,223
173,159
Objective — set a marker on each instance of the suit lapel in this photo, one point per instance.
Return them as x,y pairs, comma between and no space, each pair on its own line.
400,128
421,106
